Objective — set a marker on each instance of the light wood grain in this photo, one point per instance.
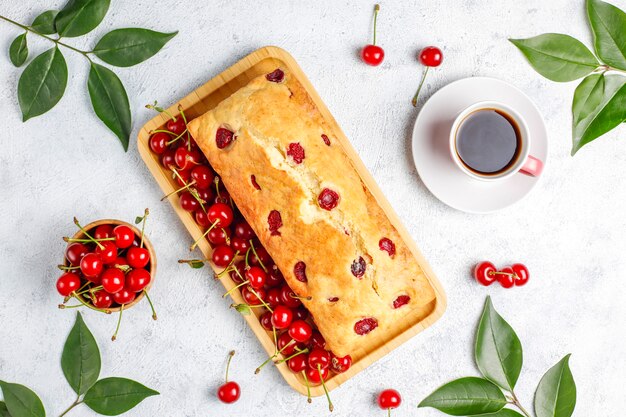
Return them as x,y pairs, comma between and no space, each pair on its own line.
208,96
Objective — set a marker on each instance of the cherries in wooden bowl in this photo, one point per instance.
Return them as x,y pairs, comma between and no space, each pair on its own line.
109,266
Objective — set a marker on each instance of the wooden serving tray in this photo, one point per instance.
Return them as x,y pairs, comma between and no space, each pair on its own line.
208,96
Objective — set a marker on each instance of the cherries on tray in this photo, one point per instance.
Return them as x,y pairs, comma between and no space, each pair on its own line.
108,267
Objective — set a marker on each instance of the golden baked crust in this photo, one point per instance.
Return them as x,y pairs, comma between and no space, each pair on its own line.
273,123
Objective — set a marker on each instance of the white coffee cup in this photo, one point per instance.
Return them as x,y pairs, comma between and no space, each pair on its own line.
523,162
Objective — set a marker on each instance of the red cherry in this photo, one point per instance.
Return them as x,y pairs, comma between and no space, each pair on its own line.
222,256
167,159
316,376
124,236
339,365
244,231
317,340
188,202
223,198
484,273
124,296
300,313
262,255
251,298
187,159
203,176
102,299
137,279
281,317
224,137
220,213
206,195
273,297
238,273
256,277
107,251
521,274
431,56
182,179
229,392
389,399
120,261
300,331
506,277
287,346
202,219
298,363
218,236
91,265
138,257
104,231
274,277
113,280
328,199
158,142
372,55
68,283
176,125
75,252
239,244
319,358
288,297
266,320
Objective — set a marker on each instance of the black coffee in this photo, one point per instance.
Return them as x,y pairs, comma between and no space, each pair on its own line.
488,141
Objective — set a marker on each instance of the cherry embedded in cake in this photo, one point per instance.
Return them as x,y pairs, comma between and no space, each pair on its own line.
296,152
299,270
328,199
254,183
388,246
358,267
224,137
366,325
326,139
401,300
276,76
274,222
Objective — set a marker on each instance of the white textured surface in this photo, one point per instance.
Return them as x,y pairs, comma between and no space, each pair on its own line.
569,231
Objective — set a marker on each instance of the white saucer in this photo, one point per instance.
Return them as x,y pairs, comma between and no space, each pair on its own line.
431,152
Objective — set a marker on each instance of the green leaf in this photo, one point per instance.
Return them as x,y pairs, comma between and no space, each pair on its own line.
556,392
21,401
81,357
196,264
498,349
466,397
114,396
44,23
505,412
607,115
587,97
80,16
138,219
127,47
18,51
4,411
557,57
110,102
609,32
42,83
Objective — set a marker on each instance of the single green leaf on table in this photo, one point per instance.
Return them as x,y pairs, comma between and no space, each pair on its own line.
42,83
498,350
21,401
557,57
114,396
44,23
609,32
18,51
466,397
127,47
110,102
4,412
79,17
587,97
81,357
138,219
505,412
556,393
608,114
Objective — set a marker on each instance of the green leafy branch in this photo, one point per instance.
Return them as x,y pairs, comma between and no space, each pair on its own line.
81,363
599,103
43,81
498,353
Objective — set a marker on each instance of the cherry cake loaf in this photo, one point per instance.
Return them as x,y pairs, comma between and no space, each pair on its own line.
295,185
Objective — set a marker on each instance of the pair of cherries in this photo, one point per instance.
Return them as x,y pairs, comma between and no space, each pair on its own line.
515,275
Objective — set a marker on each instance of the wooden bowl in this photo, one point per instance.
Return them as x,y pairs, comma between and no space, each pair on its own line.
147,245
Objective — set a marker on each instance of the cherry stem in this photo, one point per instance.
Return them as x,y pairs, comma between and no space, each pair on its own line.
67,268
97,241
182,114
156,107
389,412
119,320
308,388
376,9
63,306
87,234
299,352
180,189
143,225
261,300
230,357
176,138
195,244
80,299
154,314
99,287
229,267
492,273
293,295
275,340
257,256
330,403
234,288
417,93
257,370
